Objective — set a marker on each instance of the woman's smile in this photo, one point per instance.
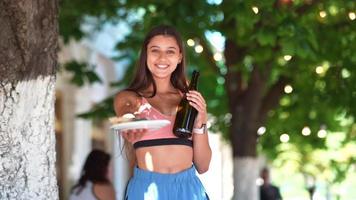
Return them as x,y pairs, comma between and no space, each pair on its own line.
163,56
162,66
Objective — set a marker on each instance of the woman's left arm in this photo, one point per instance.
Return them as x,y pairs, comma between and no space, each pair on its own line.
201,147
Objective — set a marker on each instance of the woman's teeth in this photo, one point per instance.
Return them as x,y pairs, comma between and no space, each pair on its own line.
162,66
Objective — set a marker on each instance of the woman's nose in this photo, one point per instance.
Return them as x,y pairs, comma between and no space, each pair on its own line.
162,55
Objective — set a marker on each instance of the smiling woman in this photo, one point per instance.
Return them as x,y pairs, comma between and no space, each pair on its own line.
163,56
164,165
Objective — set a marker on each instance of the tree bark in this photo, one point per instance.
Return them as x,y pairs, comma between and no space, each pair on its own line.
245,176
243,134
245,102
28,60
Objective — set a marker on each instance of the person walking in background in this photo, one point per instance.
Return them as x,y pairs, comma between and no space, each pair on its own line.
94,183
267,190
164,165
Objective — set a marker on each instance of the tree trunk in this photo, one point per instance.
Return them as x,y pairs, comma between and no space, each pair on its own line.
245,176
245,103
243,131
28,60
246,166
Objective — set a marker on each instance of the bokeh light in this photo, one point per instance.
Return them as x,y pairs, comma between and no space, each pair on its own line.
306,131
255,10
190,42
287,57
288,89
261,130
217,56
284,137
198,48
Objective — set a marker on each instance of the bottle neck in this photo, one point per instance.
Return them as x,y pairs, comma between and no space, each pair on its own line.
194,81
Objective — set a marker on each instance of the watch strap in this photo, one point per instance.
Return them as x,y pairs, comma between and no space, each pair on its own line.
201,130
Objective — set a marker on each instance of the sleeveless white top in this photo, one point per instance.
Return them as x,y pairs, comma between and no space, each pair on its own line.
87,193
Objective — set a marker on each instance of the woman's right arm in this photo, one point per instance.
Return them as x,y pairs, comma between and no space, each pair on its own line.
126,102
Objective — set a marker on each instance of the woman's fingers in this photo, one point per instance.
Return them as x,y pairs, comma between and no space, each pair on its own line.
197,95
198,102
197,99
133,134
199,107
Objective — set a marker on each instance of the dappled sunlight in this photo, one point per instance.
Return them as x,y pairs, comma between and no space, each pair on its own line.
145,107
152,192
149,161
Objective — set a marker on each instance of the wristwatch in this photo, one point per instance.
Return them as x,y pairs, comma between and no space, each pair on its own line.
201,130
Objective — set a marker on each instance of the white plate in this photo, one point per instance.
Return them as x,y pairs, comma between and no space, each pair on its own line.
144,124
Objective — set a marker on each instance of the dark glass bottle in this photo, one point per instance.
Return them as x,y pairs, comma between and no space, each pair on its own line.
186,114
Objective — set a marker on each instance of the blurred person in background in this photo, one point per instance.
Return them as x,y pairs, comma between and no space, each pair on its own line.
267,190
94,183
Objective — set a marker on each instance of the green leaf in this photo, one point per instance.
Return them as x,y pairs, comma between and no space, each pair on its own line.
266,37
81,73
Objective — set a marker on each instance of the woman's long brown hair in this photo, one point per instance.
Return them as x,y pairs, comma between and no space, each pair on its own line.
143,77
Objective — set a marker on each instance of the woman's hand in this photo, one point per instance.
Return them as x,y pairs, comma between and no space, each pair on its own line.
133,134
201,150
198,102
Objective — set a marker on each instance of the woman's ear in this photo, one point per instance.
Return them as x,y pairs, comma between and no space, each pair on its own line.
180,58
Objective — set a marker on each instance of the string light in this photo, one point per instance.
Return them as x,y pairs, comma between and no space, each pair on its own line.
322,14
322,133
319,70
261,130
288,89
255,10
198,48
306,131
190,42
284,138
287,57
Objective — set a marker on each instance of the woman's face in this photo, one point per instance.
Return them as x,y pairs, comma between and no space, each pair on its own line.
163,56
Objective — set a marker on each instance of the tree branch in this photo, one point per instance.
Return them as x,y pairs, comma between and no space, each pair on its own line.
209,55
233,55
271,99
307,6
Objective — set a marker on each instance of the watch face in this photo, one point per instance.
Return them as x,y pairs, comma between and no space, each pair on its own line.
204,126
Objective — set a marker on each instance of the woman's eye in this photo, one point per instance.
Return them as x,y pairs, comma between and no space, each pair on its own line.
171,52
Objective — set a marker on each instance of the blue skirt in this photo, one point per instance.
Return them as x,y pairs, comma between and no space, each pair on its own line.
146,185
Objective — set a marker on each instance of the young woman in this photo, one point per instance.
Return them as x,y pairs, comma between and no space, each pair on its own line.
94,183
164,166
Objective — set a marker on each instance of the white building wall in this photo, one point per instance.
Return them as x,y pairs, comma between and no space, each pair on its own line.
77,132
218,179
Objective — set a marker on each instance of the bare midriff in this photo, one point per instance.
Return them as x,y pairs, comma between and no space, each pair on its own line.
165,158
